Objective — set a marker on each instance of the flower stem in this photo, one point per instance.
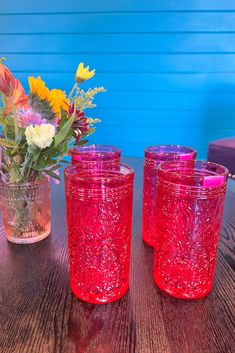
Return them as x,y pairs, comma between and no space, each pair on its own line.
15,120
72,90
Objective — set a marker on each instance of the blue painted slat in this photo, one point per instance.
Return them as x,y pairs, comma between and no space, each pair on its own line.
115,43
143,82
125,63
118,22
166,119
25,6
148,136
137,149
168,100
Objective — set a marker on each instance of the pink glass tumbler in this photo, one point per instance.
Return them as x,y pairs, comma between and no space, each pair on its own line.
95,155
190,201
99,220
155,155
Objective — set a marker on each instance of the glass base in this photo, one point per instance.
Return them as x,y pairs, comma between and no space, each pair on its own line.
85,297
183,296
30,240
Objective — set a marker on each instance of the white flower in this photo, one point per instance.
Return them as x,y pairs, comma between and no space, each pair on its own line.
40,135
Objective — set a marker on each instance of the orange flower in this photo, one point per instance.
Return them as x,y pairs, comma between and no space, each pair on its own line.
18,99
7,81
12,89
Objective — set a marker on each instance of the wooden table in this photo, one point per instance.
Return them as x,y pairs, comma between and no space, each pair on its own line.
39,314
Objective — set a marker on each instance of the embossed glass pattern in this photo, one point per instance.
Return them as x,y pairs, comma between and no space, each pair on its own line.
190,201
95,155
99,218
154,155
26,211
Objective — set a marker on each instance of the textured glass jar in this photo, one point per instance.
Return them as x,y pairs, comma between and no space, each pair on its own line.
26,211
95,155
190,201
155,155
99,219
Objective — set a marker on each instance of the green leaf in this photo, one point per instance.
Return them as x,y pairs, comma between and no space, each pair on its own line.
64,114
81,143
51,162
36,156
64,131
50,152
38,168
63,147
26,163
33,149
55,167
41,164
7,143
4,102
52,174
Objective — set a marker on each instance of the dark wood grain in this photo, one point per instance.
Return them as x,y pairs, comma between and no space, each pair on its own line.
38,313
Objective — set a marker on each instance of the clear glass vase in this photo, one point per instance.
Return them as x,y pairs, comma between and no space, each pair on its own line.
26,211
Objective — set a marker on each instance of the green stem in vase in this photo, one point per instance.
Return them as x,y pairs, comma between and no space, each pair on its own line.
16,125
72,90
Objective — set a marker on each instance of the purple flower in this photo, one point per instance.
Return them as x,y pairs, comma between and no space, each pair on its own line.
71,109
3,177
80,124
28,117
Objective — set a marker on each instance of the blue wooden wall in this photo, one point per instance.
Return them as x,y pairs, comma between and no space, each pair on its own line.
169,66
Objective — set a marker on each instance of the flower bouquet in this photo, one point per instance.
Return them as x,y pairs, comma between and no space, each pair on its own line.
38,129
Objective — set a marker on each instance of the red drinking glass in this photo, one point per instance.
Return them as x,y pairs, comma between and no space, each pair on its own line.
190,201
95,155
155,155
99,219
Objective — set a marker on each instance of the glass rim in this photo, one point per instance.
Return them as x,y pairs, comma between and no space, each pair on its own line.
150,149
25,184
110,178
163,170
81,149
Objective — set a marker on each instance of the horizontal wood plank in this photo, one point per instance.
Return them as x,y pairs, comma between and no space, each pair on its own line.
10,6
119,43
166,119
134,140
125,63
219,102
118,23
157,135
142,82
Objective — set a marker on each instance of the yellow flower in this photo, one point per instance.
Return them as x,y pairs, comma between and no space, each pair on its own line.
83,73
38,87
55,98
